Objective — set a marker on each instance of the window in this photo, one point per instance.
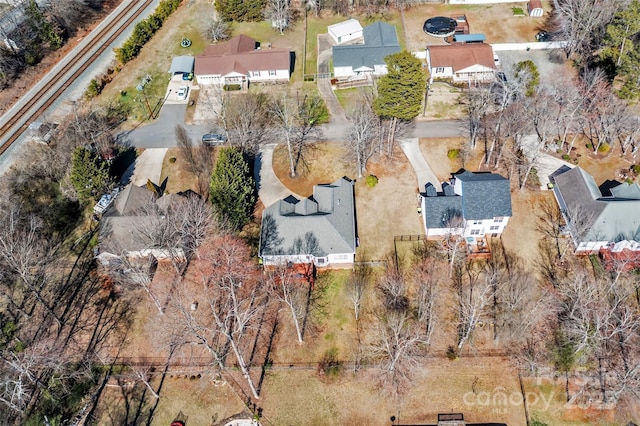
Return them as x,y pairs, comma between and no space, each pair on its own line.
498,219
475,232
493,228
256,73
321,260
477,222
272,72
439,70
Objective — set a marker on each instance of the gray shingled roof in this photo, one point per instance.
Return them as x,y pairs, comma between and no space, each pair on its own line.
182,64
438,211
484,195
380,41
329,214
614,218
380,34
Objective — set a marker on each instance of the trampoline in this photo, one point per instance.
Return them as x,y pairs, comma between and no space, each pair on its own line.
440,26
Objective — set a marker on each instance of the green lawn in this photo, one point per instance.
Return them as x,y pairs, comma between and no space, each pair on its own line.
317,26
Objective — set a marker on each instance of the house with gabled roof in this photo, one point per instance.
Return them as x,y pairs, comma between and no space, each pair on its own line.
380,41
461,62
604,220
470,204
241,60
320,229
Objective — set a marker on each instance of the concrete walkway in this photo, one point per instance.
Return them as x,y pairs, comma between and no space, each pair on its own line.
270,189
338,121
545,164
424,174
148,166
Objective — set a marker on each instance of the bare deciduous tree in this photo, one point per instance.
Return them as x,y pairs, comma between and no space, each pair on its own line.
357,286
362,136
279,12
218,30
292,292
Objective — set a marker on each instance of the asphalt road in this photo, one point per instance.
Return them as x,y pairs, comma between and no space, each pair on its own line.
160,133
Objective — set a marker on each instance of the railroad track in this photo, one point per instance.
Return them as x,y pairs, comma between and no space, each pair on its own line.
98,43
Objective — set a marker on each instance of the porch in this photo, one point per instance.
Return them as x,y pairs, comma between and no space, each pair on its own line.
478,247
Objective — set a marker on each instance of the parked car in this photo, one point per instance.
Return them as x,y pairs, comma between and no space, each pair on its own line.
213,139
496,60
182,92
542,36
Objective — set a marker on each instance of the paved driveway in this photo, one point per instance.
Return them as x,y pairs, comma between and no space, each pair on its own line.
270,189
424,174
148,166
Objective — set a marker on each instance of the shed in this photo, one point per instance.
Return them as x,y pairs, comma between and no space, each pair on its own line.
182,64
346,31
469,38
535,8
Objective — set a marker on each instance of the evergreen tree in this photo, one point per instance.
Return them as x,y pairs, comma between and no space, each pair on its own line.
232,188
620,53
89,174
400,92
241,10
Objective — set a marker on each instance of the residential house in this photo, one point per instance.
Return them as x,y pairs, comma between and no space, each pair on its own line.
604,221
320,229
241,61
380,40
121,223
471,204
346,31
462,62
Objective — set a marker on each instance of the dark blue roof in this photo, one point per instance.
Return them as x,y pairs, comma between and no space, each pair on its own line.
439,211
467,38
380,41
484,195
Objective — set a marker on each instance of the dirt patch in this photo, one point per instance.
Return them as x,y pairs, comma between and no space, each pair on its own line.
443,102
611,165
496,21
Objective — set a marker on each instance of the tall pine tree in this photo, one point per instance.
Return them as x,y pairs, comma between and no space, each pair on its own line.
232,188
400,92
89,174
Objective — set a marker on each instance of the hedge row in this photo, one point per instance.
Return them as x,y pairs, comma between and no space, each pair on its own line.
144,30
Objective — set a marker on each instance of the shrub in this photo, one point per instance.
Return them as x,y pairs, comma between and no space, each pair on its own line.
232,87
172,160
603,148
566,157
144,30
330,364
452,353
589,146
635,168
628,180
453,154
371,180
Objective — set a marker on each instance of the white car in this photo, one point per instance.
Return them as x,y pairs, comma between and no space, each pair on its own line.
496,60
182,93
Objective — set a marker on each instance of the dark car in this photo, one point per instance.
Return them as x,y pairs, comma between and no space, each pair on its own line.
213,139
542,36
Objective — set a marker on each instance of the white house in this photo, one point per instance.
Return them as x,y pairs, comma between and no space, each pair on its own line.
320,229
461,62
240,61
344,32
598,222
471,204
380,40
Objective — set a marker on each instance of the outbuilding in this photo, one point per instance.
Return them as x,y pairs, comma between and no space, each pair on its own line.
346,31
534,8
